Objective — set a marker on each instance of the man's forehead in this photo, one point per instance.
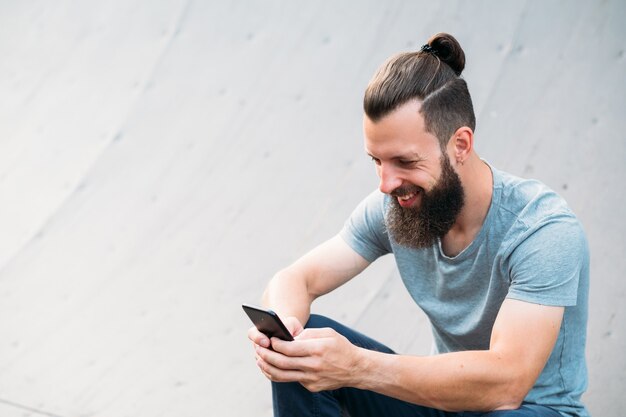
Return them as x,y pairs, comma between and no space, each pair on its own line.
399,136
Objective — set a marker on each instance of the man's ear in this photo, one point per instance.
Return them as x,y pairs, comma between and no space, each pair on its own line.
461,144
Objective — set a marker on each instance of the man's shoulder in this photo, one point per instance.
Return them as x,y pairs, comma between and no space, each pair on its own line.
529,212
542,244
528,201
365,229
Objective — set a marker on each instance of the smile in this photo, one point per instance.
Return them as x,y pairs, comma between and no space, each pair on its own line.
408,200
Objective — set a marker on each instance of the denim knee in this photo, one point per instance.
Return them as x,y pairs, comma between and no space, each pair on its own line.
316,321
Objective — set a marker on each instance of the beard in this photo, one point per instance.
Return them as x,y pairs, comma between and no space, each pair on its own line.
420,227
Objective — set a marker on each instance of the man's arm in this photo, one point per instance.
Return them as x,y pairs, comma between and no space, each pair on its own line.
522,339
292,290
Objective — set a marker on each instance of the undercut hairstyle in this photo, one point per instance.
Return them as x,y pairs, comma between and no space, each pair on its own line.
432,76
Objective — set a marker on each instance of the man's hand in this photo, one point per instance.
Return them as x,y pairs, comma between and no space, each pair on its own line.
320,359
259,339
291,292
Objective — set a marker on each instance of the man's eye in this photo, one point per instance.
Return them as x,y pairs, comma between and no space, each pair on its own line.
406,164
376,160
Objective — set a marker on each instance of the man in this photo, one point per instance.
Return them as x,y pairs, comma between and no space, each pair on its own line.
499,264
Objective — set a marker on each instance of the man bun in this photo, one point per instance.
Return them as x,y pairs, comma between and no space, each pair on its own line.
448,49
431,75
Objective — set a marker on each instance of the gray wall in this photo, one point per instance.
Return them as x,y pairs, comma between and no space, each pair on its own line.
159,160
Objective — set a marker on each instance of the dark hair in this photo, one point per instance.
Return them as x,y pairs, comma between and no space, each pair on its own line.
431,75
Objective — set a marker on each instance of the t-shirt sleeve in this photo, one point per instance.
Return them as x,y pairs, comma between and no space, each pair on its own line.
365,231
545,268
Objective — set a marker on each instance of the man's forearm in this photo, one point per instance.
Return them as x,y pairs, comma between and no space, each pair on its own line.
329,265
522,339
288,295
470,380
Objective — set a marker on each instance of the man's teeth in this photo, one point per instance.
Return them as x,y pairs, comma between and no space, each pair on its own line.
407,197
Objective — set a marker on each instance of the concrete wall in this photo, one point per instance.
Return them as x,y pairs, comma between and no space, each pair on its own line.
159,160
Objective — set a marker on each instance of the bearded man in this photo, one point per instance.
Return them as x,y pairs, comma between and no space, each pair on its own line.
499,265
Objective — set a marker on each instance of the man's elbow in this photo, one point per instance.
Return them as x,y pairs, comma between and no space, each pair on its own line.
513,390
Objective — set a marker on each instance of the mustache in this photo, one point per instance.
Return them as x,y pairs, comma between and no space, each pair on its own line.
405,190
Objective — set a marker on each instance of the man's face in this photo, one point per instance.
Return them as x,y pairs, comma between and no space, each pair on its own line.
427,192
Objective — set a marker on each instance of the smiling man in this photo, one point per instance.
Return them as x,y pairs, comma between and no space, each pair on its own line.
499,264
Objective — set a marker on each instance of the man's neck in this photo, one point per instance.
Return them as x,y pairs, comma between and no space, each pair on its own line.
477,180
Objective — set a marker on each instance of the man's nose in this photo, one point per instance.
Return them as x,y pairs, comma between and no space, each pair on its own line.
389,180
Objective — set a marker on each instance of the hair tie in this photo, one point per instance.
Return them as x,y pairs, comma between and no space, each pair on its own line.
428,49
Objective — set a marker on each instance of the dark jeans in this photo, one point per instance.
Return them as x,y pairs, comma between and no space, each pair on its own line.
292,399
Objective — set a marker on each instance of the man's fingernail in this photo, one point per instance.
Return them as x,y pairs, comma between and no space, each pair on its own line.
265,342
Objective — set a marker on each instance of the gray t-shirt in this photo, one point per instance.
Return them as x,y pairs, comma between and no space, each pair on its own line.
531,247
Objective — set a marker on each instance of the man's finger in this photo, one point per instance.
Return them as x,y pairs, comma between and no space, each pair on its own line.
257,337
279,375
278,360
304,344
298,348
316,333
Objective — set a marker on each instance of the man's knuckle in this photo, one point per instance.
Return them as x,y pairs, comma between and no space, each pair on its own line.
281,363
318,363
312,386
318,350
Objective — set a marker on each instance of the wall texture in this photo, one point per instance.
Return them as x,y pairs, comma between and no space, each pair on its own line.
159,160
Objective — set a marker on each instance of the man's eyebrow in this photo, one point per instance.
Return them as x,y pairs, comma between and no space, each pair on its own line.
413,156
409,156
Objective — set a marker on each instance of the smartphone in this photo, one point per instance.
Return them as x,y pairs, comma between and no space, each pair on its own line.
267,322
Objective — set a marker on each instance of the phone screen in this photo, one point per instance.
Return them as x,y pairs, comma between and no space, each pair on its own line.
267,322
